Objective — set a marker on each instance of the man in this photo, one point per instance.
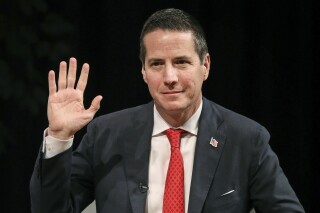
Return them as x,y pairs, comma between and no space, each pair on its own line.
128,162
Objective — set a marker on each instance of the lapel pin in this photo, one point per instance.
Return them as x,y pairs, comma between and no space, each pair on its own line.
214,142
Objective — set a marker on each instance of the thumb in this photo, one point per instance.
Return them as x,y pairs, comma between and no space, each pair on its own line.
95,104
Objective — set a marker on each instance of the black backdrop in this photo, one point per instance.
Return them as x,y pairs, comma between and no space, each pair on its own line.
264,53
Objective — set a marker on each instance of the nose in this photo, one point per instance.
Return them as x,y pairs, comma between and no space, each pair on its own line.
170,75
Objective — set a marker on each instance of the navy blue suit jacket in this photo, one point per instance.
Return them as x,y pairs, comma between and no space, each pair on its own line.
111,166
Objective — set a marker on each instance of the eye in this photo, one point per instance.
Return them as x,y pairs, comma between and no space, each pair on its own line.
156,63
181,61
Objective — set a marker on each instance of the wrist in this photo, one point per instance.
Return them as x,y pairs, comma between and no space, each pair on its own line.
60,135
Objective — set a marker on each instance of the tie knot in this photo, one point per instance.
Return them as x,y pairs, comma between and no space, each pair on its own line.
174,136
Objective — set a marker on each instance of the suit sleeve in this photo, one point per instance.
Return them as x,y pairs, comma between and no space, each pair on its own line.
269,189
64,182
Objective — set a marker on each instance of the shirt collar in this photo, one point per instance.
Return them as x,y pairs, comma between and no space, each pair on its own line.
191,125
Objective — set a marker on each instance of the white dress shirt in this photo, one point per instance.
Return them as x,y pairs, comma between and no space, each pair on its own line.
159,157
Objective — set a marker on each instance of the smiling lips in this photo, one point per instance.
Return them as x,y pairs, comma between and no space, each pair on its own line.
171,92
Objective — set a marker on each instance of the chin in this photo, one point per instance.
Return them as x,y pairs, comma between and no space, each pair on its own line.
172,107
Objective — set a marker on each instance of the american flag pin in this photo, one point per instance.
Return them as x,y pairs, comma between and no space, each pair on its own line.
214,142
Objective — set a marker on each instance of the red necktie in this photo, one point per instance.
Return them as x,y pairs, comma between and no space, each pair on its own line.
173,200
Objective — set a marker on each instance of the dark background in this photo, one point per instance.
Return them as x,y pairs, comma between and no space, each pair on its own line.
265,56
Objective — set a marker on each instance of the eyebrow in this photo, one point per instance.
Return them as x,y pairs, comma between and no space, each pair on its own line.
183,57
176,58
154,59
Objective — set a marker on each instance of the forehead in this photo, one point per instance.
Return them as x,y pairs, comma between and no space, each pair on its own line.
166,42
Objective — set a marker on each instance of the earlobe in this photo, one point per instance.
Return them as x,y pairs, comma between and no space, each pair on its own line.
205,76
207,62
206,66
143,71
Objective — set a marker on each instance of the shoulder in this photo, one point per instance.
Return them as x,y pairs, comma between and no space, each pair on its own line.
128,115
118,124
234,122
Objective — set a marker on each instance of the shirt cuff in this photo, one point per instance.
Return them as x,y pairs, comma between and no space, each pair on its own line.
52,146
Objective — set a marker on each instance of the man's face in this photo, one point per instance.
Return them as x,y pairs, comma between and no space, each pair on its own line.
173,71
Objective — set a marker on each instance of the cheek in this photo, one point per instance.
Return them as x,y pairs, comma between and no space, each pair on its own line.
189,81
194,84
153,82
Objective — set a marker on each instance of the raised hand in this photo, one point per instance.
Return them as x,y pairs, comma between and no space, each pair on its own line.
66,113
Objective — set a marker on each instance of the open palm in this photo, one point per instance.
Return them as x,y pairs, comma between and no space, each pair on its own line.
66,112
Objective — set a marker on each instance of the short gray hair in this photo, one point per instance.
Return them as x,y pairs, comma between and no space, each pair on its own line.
174,20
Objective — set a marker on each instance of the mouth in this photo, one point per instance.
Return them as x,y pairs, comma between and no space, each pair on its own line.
171,92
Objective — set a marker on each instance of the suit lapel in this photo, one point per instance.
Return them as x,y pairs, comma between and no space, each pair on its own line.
136,157
206,155
137,151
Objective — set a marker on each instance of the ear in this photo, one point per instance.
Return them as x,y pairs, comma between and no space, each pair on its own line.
206,66
143,71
